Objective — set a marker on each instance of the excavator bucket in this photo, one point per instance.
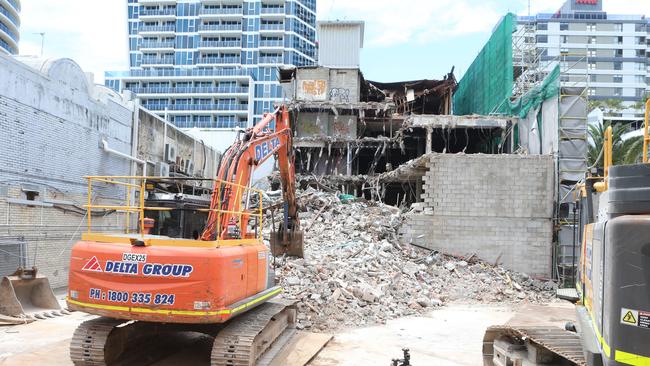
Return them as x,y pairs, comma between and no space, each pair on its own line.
26,295
287,243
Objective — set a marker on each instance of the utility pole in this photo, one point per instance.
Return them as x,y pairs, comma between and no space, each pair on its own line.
42,34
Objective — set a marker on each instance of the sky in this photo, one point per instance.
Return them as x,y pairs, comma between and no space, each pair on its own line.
404,40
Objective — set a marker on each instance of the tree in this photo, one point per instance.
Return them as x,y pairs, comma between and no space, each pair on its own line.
640,105
607,105
625,152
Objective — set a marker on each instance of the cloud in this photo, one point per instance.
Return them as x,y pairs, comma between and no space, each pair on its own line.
91,32
389,23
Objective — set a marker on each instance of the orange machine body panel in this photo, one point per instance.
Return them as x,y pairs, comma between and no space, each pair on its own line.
169,284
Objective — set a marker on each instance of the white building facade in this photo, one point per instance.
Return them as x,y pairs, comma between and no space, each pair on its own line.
211,65
9,26
605,53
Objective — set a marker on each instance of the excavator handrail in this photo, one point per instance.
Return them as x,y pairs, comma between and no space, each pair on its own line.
646,132
139,183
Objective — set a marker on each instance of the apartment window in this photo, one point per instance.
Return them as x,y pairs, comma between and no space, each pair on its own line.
564,26
618,78
618,27
640,66
640,79
618,65
542,26
592,91
542,39
592,53
640,53
620,40
593,78
640,93
592,66
564,39
591,27
640,40
592,40
618,92
618,53
640,28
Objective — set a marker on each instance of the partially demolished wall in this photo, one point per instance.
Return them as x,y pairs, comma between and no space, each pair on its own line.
498,207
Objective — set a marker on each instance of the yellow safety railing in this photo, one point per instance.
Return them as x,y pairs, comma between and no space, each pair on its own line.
139,184
646,132
609,147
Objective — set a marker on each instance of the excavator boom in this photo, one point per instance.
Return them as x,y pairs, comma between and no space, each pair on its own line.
237,167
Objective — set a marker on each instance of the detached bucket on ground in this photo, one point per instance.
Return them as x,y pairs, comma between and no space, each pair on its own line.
25,295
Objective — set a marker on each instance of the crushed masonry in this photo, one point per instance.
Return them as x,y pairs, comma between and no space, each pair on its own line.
356,273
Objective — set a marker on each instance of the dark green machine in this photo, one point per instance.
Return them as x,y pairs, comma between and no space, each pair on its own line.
614,271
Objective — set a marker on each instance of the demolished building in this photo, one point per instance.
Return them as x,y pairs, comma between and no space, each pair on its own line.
350,131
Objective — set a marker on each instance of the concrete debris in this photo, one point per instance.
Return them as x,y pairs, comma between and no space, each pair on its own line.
355,272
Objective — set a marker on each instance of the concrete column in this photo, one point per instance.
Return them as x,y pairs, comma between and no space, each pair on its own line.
349,161
429,148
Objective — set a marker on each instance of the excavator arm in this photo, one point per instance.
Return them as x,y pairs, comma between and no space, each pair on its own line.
234,179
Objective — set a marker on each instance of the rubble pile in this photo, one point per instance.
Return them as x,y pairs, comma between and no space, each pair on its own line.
356,273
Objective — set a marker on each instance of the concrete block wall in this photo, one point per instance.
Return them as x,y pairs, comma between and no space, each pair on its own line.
499,207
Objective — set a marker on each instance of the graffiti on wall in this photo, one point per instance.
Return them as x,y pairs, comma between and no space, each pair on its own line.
340,95
313,90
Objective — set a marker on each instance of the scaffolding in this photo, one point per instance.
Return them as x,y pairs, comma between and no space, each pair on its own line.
526,60
572,160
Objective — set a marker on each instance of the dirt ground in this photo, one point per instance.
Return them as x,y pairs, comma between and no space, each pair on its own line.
451,335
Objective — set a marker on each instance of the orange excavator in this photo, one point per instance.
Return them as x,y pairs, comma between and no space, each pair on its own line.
218,282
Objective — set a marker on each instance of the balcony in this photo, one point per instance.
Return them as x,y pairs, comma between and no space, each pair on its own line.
9,32
216,28
221,11
158,60
197,107
167,44
271,44
180,73
219,60
158,28
9,15
158,13
191,90
272,11
220,44
15,4
272,27
271,60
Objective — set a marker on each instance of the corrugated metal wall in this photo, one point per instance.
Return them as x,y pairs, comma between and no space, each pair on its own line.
339,45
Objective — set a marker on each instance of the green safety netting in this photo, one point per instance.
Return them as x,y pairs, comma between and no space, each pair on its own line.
549,88
487,85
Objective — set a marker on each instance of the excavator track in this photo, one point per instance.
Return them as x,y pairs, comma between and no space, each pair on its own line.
560,342
248,336
90,342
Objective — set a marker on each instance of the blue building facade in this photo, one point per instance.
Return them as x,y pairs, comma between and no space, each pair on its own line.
9,26
212,64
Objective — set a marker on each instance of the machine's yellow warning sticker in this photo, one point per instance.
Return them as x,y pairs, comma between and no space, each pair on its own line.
635,318
629,318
